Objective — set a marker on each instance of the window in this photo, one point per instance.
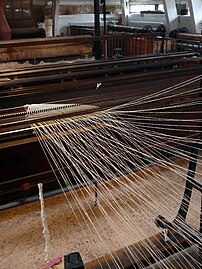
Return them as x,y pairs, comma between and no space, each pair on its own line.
161,7
135,8
18,9
182,7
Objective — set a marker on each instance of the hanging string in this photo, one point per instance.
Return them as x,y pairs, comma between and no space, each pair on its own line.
44,224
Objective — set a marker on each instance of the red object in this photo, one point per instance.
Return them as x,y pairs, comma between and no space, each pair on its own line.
52,262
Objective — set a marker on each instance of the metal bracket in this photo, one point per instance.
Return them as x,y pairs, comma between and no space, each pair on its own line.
179,224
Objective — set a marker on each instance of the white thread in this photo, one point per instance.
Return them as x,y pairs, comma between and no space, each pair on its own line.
44,224
98,85
90,143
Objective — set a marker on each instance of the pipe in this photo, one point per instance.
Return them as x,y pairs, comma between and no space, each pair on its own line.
36,197
97,44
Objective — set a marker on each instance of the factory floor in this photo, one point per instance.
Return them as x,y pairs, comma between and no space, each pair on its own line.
22,240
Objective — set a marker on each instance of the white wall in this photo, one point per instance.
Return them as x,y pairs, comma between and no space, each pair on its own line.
138,20
80,19
154,20
185,21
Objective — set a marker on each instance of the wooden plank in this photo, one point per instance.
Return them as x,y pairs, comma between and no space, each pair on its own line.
34,41
41,49
139,254
187,36
44,52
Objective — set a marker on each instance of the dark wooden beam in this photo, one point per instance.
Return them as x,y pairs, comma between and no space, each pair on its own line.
140,254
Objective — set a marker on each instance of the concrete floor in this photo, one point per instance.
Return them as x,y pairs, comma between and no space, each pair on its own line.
22,241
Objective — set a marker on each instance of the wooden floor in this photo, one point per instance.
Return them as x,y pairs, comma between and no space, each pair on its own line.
22,242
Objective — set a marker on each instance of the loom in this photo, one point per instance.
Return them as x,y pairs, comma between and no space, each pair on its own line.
17,136
178,232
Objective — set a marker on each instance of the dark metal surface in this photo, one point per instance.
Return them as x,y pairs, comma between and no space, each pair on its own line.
139,255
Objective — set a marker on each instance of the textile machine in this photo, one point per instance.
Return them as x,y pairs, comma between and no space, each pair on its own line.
122,80
84,88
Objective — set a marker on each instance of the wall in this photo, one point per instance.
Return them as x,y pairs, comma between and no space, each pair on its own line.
185,21
138,20
70,9
80,19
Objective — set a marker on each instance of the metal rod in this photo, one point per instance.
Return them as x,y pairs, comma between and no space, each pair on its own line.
104,16
183,210
97,44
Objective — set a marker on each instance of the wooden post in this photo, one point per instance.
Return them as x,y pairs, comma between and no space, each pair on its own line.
55,15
